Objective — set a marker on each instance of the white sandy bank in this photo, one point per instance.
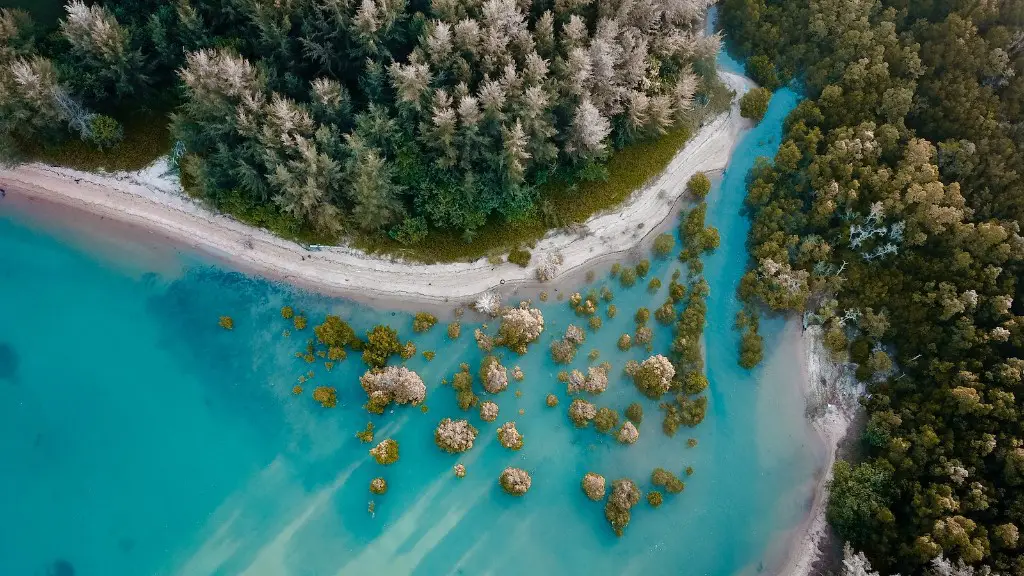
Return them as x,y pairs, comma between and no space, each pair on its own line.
831,393
147,200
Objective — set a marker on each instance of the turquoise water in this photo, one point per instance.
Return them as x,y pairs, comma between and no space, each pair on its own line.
139,438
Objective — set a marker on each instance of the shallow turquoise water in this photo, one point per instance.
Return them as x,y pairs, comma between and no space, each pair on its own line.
139,438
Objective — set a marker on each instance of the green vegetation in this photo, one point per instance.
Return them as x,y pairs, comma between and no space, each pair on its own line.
366,435
520,257
667,480
635,413
663,245
606,420
381,343
699,186
890,218
327,396
654,498
423,321
378,486
754,103
226,322
385,453
462,382
298,118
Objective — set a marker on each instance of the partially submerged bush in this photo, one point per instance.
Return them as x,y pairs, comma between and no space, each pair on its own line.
642,268
563,351
575,335
612,311
299,322
635,413
666,313
625,342
595,382
515,481
654,285
335,333
754,104
551,400
454,436
595,323
460,471
366,435
423,321
381,343
694,383
408,350
664,244
593,486
699,185
517,374
386,452
454,330
605,420
392,384
326,396
493,375
226,323
628,434
519,327
509,437
667,480
654,498
287,312
488,411
625,495
581,412
378,486
643,336
642,316
462,382
653,376
627,277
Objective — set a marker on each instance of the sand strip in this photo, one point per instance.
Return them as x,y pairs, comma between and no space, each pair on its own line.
141,199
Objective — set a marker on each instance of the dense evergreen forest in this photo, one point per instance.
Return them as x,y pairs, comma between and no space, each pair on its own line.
891,216
374,116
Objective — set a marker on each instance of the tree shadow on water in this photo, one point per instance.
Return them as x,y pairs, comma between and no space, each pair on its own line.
8,362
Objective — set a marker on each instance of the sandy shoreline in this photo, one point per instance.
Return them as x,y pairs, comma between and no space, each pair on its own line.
832,394
143,199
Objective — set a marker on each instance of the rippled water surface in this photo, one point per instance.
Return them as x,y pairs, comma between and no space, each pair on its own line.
138,438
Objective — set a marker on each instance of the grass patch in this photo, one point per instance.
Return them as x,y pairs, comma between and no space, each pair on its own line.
146,138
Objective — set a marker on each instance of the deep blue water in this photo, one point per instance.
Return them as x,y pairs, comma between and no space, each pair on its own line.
139,438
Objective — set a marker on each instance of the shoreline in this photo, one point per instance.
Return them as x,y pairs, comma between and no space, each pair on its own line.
158,205
826,388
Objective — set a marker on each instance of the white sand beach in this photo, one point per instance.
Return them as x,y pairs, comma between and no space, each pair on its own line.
158,204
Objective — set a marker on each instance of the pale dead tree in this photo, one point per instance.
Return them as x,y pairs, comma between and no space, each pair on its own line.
439,41
578,71
94,30
536,69
589,131
516,153
574,34
212,75
856,564
440,133
467,35
544,33
410,81
683,92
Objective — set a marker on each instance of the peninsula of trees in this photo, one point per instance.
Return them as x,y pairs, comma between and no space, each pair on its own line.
373,117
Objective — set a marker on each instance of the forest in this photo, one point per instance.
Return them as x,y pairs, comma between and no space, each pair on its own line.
386,118
891,216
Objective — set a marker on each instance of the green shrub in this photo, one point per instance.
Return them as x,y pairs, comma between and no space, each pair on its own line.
381,342
642,268
627,277
654,285
654,498
642,316
424,321
519,256
635,413
754,103
606,420
699,185
105,131
762,70
664,244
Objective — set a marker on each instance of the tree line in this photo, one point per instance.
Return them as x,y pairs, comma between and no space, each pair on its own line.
377,116
891,215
